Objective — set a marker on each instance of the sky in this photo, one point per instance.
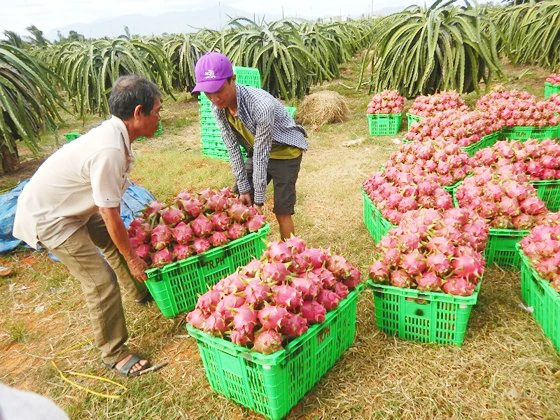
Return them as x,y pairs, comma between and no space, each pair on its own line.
16,15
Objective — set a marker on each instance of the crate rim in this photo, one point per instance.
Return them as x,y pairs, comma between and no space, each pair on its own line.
433,296
176,264
278,357
545,283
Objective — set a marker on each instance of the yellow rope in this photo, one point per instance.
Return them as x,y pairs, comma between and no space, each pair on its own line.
85,375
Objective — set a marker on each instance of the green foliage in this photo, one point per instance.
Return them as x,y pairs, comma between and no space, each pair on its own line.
424,50
28,100
90,68
532,32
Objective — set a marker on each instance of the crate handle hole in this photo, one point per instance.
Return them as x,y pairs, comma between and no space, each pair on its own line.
419,312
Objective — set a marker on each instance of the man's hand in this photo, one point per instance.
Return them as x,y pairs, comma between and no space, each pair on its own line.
137,265
246,199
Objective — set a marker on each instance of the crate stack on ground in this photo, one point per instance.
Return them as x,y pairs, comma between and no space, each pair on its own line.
267,334
384,113
552,85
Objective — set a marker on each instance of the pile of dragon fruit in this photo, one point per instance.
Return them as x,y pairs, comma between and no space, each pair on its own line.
516,112
455,126
433,250
426,106
503,197
542,247
386,102
555,101
395,192
275,299
540,160
192,224
446,160
553,78
490,100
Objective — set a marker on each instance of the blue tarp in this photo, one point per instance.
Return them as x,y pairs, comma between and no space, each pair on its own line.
135,198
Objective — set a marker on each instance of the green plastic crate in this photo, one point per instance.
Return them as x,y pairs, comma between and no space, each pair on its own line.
384,124
73,135
549,192
291,110
500,248
376,224
176,286
550,89
545,301
427,317
273,384
487,141
411,119
525,133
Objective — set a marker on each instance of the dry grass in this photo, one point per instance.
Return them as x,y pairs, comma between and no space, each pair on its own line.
505,369
322,107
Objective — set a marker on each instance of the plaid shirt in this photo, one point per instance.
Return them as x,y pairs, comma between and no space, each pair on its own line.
266,118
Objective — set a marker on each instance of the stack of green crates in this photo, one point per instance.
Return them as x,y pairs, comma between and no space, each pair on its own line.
212,144
550,89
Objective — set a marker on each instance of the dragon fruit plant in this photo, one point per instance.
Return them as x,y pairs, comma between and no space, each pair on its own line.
433,250
542,247
275,299
191,224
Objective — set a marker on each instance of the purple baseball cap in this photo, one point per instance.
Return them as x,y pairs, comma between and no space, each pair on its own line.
210,72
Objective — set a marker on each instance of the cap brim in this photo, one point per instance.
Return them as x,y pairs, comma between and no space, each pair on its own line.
209,86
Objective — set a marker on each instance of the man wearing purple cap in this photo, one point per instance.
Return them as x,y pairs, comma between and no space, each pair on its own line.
252,118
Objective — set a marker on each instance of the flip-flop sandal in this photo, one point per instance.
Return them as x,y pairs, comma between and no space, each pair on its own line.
125,370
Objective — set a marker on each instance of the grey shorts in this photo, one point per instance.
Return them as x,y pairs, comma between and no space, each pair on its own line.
283,173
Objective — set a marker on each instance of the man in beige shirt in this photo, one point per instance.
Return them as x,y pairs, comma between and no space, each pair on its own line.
71,207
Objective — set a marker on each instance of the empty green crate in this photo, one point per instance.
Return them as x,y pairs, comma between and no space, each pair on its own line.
486,141
411,119
427,317
376,224
500,248
550,89
549,192
175,287
273,384
384,124
525,133
542,298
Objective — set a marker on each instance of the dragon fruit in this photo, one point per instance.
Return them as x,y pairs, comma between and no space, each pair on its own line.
287,296
202,226
162,257
313,311
256,222
218,239
182,233
271,317
293,325
172,215
181,251
267,341
161,237
239,212
220,221
236,231
201,245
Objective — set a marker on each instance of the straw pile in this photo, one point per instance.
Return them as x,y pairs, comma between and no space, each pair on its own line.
322,107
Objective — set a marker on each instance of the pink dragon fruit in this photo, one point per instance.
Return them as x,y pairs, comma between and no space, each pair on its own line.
143,251
271,317
162,257
257,293
274,272
251,269
267,341
202,226
245,319
172,215
328,299
182,233
215,324
240,338
193,206
236,231
308,288
181,251
239,212
256,222
207,302
458,286
429,282
313,311
201,245
161,237
295,245
315,256
287,296
217,203
197,319
277,251
220,221
218,239
341,290
293,325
